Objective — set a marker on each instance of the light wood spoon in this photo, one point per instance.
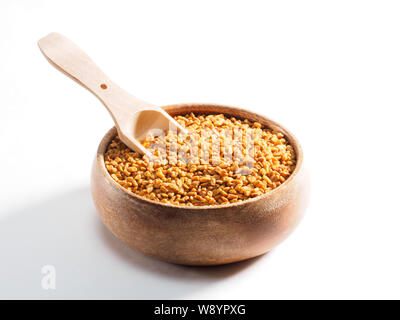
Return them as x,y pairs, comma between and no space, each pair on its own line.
133,117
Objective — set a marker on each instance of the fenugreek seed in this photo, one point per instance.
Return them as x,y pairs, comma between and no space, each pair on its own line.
152,196
195,183
251,179
267,179
205,179
173,187
186,186
160,174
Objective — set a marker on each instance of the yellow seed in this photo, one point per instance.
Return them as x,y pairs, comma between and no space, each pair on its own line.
222,178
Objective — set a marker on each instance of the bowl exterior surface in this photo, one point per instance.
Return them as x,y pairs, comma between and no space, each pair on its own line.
208,235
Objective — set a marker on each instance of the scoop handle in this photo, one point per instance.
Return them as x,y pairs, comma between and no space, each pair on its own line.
70,59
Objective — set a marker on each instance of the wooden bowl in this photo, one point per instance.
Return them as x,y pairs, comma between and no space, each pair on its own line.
204,235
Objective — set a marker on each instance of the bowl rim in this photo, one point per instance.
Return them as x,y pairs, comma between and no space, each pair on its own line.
105,141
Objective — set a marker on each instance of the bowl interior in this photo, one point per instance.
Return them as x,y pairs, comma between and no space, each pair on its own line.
199,108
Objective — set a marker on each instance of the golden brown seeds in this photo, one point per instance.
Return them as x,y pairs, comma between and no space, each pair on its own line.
236,176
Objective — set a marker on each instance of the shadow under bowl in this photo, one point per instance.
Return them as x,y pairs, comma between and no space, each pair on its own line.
204,235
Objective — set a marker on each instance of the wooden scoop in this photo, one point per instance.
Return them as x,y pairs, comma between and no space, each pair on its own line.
133,117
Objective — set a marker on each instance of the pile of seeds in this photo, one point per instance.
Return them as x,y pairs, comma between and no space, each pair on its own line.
223,160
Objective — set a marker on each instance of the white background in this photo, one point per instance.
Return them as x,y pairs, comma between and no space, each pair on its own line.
327,70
